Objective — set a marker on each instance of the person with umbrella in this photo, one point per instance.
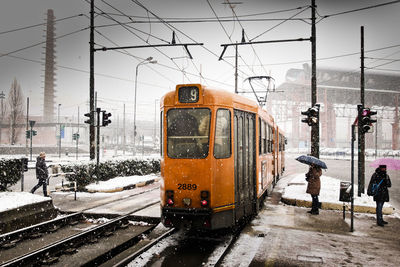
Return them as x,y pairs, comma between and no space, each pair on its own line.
381,193
314,186
313,178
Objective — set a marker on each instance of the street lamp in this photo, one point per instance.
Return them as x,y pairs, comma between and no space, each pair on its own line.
59,133
146,61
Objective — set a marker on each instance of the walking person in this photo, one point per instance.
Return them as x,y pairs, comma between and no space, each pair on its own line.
381,194
41,173
314,187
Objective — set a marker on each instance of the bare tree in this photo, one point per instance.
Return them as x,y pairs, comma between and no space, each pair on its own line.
16,107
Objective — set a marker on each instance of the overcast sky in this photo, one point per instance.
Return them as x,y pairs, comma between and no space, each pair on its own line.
337,35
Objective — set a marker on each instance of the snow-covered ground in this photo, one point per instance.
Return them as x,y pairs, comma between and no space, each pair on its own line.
14,200
120,182
295,189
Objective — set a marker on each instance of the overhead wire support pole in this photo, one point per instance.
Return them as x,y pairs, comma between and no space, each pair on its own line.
91,84
361,134
314,127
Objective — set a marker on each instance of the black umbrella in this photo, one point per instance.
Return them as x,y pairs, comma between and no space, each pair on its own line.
309,160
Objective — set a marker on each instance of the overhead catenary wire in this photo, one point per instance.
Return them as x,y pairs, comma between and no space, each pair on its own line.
191,19
280,23
169,26
39,24
360,9
40,43
255,53
134,33
229,36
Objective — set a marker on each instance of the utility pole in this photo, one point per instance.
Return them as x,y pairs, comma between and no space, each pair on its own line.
77,139
2,96
98,110
27,122
124,137
91,83
236,69
361,135
315,127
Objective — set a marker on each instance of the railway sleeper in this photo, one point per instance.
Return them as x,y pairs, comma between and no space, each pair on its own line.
10,244
70,250
50,260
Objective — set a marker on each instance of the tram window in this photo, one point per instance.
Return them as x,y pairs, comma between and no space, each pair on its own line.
259,136
222,144
188,132
262,137
161,133
270,138
266,137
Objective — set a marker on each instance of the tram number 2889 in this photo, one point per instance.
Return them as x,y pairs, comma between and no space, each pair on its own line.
187,186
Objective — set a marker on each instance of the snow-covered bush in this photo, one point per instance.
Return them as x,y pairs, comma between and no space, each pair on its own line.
10,172
85,174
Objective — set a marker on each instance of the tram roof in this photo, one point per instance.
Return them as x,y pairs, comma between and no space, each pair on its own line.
211,96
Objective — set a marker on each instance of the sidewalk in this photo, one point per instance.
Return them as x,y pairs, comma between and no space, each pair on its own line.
294,193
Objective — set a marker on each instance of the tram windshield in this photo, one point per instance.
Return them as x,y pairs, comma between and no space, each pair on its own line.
188,132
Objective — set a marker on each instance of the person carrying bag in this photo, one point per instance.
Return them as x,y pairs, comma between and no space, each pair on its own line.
378,188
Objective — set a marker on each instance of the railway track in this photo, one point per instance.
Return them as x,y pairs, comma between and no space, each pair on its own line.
50,253
10,239
190,248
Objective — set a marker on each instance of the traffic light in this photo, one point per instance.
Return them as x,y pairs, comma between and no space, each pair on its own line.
28,134
312,116
25,164
106,119
75,136
34,132
366,120
90,120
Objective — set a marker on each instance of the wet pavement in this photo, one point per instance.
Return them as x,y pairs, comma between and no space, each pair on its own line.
286,235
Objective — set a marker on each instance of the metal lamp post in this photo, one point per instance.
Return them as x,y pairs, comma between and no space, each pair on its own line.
146,61
59,133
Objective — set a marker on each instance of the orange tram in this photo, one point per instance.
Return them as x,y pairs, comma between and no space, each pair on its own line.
220,156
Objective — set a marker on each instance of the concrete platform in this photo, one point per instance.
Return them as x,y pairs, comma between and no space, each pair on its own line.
27,215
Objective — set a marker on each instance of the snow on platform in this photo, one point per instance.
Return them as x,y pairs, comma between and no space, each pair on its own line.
13,200
295,191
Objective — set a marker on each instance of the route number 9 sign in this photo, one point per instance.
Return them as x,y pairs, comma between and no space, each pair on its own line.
189,94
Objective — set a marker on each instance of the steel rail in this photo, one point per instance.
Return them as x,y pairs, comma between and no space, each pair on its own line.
76,240
131,257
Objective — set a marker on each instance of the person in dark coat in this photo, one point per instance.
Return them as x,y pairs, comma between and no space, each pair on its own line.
382,194
41,173
314,187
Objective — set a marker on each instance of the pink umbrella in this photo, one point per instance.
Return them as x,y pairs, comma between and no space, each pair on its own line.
391,163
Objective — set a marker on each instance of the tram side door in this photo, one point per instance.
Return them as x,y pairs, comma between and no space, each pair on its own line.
244,156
